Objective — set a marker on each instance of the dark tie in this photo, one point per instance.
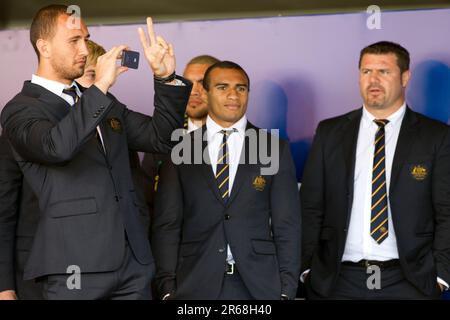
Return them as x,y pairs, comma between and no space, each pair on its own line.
379,212
73,93
223,167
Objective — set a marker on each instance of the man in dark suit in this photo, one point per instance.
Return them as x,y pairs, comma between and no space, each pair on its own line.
223,228
72,147
375,193
196,112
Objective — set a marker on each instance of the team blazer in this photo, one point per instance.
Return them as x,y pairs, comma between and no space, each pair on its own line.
419,197
261,222
86,196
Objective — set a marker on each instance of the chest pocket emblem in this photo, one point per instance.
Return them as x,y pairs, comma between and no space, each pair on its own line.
259,183
419,172
115,125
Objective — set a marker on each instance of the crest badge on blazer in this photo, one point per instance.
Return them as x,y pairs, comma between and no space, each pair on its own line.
115,125
419,172
259,183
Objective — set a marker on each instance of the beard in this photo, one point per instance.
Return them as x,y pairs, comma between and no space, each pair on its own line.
199,112
67,72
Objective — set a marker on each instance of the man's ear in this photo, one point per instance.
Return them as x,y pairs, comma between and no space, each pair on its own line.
405,78
44,48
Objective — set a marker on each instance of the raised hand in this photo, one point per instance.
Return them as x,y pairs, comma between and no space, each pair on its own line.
158,52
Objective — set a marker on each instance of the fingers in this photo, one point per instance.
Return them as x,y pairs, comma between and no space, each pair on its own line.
151,32
162,42
121,70
143,38
171,51
117,51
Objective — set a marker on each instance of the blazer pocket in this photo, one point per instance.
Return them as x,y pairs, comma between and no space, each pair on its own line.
75,207
263,246
425,234
188,249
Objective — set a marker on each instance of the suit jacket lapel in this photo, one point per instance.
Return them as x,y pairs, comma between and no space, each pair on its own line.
349,141
406,136
243,167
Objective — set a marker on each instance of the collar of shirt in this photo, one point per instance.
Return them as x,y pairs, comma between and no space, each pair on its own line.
55,87
191,126
394,119
212,128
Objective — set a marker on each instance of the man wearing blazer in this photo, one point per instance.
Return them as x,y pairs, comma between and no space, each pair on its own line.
72,147
376,193
223,228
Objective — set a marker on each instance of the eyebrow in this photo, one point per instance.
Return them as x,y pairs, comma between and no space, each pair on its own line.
227,84
79,37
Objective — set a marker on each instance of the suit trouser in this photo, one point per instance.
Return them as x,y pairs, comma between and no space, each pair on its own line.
352,283
132,281
233,288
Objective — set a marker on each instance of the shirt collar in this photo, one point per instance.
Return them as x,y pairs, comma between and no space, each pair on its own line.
191,126
53,86
394,119
213,128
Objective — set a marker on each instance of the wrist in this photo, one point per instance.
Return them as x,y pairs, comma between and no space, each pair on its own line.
103,87
166,79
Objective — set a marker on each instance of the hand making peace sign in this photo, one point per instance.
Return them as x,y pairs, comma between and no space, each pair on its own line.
158,52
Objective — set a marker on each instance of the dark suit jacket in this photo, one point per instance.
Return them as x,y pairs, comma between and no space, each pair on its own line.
261,223
86,197
151,167
19,216
420,208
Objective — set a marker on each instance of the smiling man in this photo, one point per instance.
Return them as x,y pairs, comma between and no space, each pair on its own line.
72,147
221,229
375,193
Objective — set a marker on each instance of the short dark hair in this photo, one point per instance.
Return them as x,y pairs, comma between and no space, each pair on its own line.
223,65
203,59
44,23
385,47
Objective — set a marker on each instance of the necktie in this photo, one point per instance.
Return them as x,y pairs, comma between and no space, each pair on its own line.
379,213
223,167
73,93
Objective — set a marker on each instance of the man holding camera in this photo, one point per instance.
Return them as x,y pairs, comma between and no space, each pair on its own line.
72,147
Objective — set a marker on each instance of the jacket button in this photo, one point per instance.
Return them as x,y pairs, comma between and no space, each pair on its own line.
221,250
227,217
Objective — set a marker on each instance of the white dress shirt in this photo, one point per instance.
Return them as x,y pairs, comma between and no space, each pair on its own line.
57,88
235,142
191,126
360,245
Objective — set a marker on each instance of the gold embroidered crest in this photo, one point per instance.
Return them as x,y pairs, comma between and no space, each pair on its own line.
115,125
259,183
419,172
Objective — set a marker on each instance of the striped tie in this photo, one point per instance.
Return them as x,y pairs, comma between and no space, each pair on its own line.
73,93
222,169
186,121
379,213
